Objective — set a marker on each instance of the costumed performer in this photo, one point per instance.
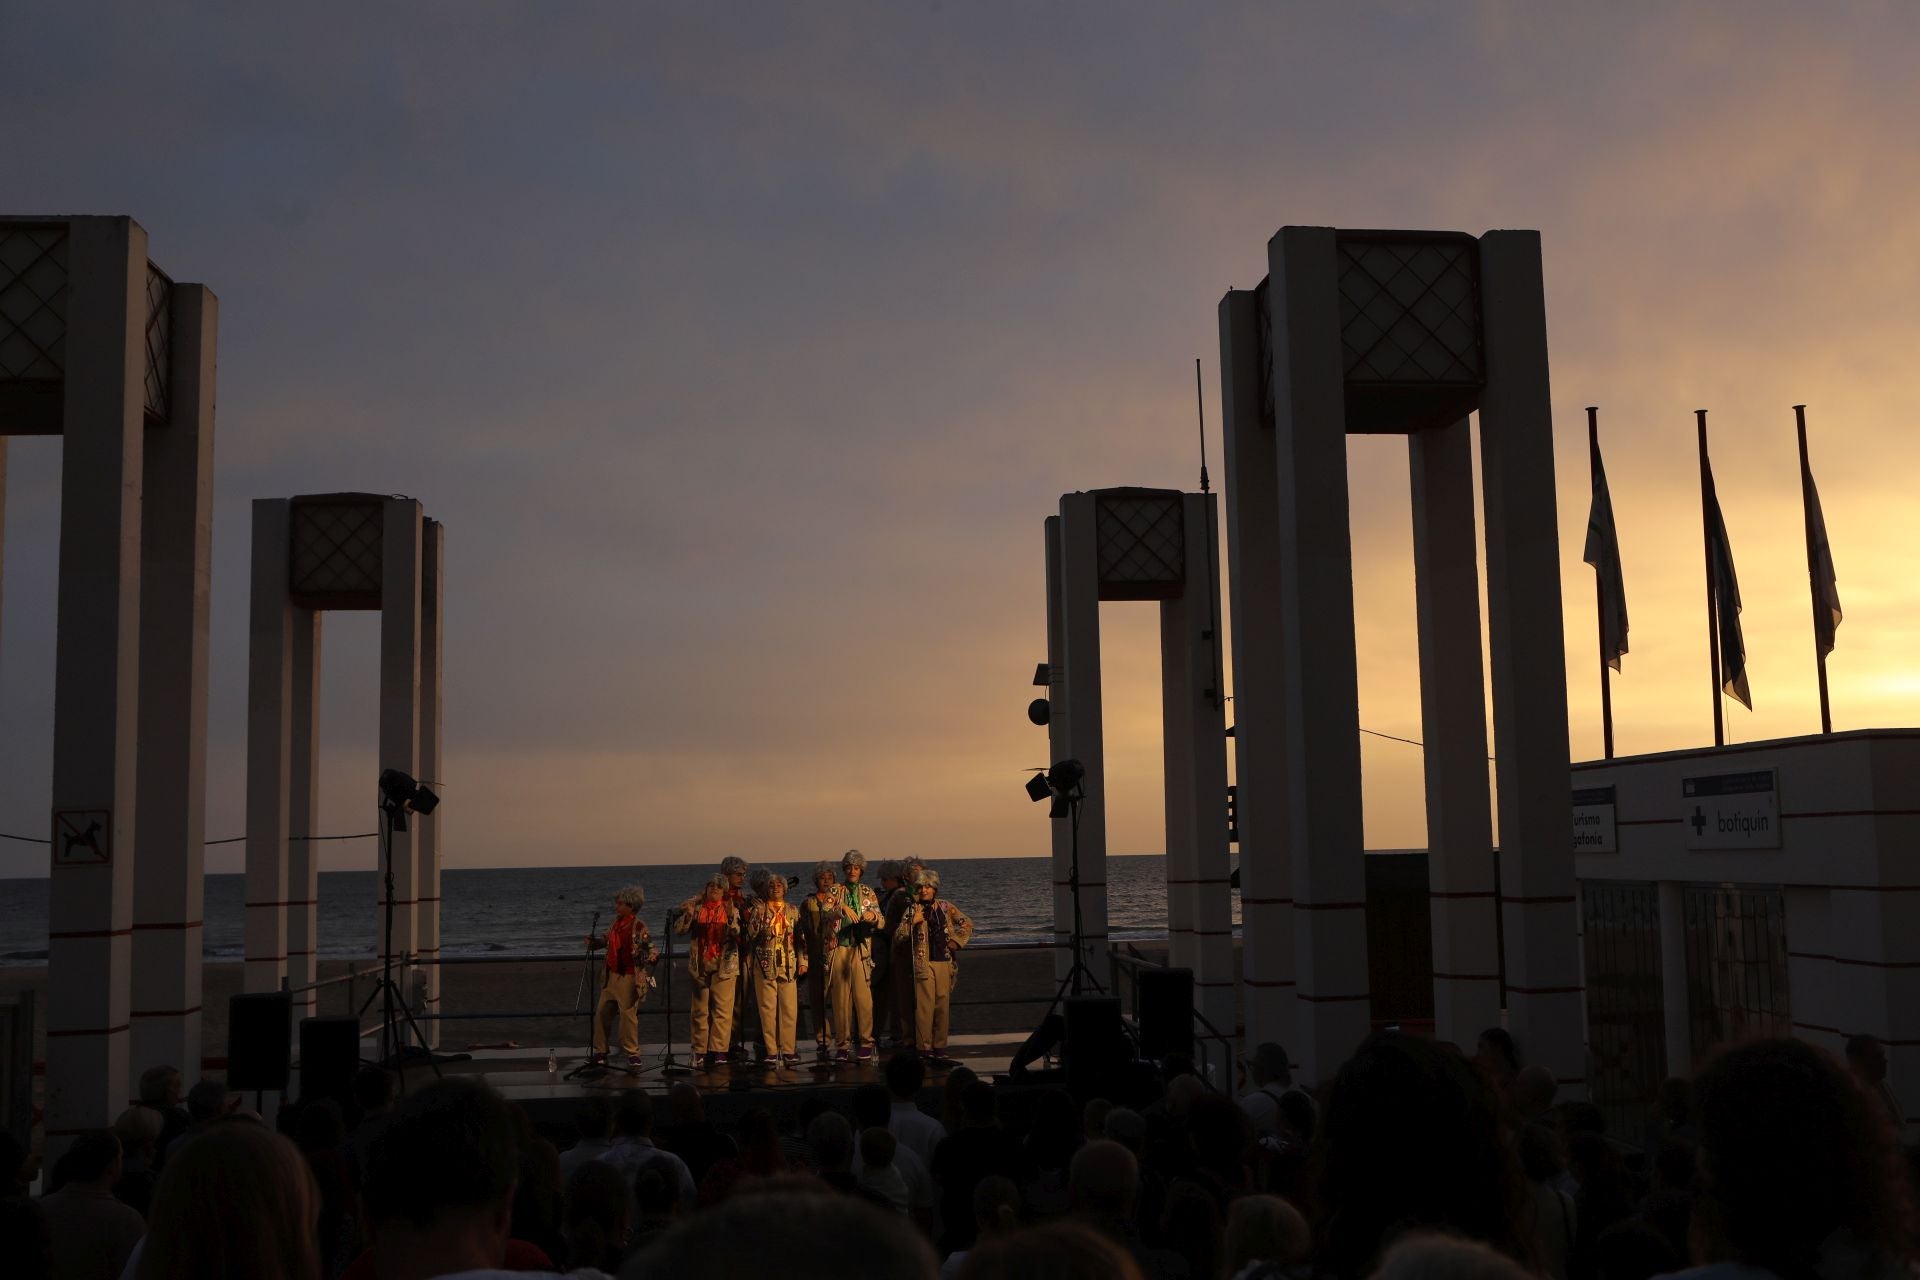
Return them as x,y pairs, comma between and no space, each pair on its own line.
819,937
713,968
937,930
851,978
624,977
775,964
737,872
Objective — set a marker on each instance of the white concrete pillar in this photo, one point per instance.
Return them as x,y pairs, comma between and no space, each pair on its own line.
1259,737
269,747
1319,678
1058,748
175,585
1080,634
1453,714
303,814
3,530
400,635
1544,996
427,844
96,678
1195,730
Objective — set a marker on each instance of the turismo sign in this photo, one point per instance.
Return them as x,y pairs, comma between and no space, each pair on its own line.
1593,826
1731,811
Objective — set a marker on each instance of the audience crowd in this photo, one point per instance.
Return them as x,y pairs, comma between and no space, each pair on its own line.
1416,1161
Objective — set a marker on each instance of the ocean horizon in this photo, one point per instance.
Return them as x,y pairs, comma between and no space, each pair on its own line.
546,910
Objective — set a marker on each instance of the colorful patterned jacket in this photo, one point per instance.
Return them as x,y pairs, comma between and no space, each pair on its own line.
773,940
938,932
819,932
713,944
860,919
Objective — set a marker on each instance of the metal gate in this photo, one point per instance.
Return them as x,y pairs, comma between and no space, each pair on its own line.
1626,1028
1736,965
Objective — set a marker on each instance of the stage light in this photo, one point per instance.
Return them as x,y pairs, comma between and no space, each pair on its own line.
1037,788
1066,776
1040,711
401,795
1043,675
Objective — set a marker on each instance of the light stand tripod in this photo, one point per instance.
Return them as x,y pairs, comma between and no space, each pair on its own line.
393,814
1071,795
592,1068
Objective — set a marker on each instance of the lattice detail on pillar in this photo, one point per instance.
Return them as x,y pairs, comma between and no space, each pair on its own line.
1410,341
1141,534
159,342
335,545
33,326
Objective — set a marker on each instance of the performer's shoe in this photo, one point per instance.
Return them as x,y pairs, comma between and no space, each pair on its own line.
634,1063
821,1053
865,1053
791,1062
596,1059
841,1055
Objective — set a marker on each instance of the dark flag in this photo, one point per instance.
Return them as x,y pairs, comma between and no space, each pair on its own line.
1726,598
1826,587
1603,553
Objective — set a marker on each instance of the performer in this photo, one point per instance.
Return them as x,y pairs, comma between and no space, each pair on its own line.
902,953
736,870
886,975
624,978
820,917
776,964
851,978
936,930
713,967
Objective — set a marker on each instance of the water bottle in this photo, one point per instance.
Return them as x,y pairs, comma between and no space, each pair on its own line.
553,1067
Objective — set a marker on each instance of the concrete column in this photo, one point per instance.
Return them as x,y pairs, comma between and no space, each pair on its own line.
3,530
1259,739
1319,678
303,796
1673,979
1544,996
269,746
96,678
175,584
1058,748
1198,753
1453,713
1892,990
427,843
1080,632
1179,795
401,548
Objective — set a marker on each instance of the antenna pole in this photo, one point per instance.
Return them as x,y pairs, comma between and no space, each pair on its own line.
1200,403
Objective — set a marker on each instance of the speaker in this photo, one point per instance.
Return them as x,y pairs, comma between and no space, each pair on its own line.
259,1041
1096,1046
329,1057
1163,1002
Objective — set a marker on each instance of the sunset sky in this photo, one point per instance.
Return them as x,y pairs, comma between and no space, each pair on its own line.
743,350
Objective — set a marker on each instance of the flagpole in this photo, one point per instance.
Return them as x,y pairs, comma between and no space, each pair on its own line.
1813,585
1706,535
1600,592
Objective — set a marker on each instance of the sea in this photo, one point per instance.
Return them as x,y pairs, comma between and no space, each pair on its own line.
545,910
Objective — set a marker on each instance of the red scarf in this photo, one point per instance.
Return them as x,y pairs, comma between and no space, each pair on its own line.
620,945
710,928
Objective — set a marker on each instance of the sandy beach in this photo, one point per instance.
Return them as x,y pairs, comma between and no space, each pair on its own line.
998,990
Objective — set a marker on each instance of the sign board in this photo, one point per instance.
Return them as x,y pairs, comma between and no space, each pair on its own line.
1593,825
82,837
1731,810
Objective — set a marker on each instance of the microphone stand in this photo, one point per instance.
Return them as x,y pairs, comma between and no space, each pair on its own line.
589,1069
670,1065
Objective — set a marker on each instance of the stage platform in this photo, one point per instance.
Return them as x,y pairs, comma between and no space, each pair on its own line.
730,1091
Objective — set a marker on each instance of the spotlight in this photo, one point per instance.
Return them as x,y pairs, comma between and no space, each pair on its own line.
1037,788
401,795
1039,711
1066,776
1043,675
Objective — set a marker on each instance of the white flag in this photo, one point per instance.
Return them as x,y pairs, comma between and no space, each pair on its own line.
1603,553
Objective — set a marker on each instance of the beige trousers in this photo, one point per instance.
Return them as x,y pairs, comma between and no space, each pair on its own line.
619,998
851,999
712,1011
932,991
779,1003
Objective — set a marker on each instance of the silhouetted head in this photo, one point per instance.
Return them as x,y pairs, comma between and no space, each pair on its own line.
906,1075
1792,1149
1411,1137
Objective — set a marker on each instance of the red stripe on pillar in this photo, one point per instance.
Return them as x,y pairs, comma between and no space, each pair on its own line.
1268,982
1265,902
161,1013
190,924
65,934
87,1031
1463,893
